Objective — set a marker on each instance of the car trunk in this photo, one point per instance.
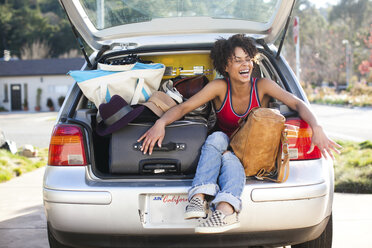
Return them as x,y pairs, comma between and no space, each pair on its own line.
114,155
180,36
130,162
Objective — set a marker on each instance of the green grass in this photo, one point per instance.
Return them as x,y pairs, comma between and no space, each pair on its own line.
13,165
353,168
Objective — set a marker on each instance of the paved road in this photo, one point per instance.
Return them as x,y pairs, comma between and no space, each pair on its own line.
28,128
22,217
345,123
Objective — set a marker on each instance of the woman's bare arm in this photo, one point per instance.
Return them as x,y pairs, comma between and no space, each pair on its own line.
157,132
319,138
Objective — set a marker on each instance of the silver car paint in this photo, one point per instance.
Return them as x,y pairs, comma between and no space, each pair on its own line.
75,202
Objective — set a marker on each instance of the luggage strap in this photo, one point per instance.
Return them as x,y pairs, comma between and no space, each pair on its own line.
282,165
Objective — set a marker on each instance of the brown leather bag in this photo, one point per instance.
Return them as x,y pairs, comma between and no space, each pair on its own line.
258,143
189,86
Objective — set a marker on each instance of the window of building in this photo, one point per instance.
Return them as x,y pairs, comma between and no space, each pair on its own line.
6,96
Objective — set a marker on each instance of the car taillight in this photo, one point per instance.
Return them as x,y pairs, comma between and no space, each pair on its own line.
67,146
299,140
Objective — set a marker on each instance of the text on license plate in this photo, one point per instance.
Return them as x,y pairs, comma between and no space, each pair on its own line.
166,209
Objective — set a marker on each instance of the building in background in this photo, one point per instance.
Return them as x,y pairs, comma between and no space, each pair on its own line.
31,84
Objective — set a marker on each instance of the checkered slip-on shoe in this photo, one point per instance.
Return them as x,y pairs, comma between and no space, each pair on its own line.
197,208
218,222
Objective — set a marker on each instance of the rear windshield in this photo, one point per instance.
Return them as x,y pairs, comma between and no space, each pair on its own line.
109,13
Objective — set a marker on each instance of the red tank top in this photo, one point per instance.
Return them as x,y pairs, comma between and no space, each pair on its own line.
227,119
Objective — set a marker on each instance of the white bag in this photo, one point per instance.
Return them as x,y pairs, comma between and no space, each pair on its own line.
135,83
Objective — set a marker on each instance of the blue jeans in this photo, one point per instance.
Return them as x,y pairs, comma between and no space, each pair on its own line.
219,174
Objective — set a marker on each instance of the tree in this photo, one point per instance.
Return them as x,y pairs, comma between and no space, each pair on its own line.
313,27
63,40
6,16
356,16
321,34
23,25
26,26
36,50
352,12
365,67
335,52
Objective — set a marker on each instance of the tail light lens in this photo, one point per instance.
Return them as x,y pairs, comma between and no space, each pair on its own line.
67,146
299,140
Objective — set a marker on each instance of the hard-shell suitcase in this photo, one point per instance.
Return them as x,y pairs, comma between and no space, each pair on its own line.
179,153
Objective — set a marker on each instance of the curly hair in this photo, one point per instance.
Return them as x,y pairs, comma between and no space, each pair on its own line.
223,50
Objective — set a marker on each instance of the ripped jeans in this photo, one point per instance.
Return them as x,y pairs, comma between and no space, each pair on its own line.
219,174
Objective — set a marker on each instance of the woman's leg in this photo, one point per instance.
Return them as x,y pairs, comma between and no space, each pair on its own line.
231,181
208,170
227,200
206,176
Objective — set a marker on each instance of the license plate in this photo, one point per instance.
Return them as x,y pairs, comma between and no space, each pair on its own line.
167,210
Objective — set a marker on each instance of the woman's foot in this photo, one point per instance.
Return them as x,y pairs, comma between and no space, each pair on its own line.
218,222
197,208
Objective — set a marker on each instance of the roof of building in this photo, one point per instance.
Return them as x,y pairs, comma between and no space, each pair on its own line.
39,67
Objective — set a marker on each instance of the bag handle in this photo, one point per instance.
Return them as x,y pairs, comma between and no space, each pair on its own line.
283,169
138,91
105,95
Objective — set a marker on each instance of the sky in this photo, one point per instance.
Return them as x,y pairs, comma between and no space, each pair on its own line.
323,3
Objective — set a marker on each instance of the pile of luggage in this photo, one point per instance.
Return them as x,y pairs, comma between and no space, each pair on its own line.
130,95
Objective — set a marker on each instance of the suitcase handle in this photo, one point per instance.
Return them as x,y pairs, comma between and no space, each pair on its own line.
170,146
159,166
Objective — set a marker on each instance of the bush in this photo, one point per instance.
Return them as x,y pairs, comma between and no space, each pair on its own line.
25,103
366,145
358,94
50,103
5,174
13,165
61,99
361,89
2,109
38,96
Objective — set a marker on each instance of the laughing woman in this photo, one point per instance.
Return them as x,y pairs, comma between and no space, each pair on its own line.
220,176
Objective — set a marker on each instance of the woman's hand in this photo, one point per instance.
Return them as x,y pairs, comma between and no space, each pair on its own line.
155,134
325,145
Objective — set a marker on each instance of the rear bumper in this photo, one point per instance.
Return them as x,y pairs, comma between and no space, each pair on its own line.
266,238
120,211
159,210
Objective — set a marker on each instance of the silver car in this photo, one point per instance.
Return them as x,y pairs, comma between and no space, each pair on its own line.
87,206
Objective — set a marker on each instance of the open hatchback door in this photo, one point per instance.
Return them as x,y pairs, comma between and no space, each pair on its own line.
108,22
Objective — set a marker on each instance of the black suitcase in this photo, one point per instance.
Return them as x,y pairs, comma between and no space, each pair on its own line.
179,153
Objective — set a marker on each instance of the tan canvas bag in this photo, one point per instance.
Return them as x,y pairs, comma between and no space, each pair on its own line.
258,144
